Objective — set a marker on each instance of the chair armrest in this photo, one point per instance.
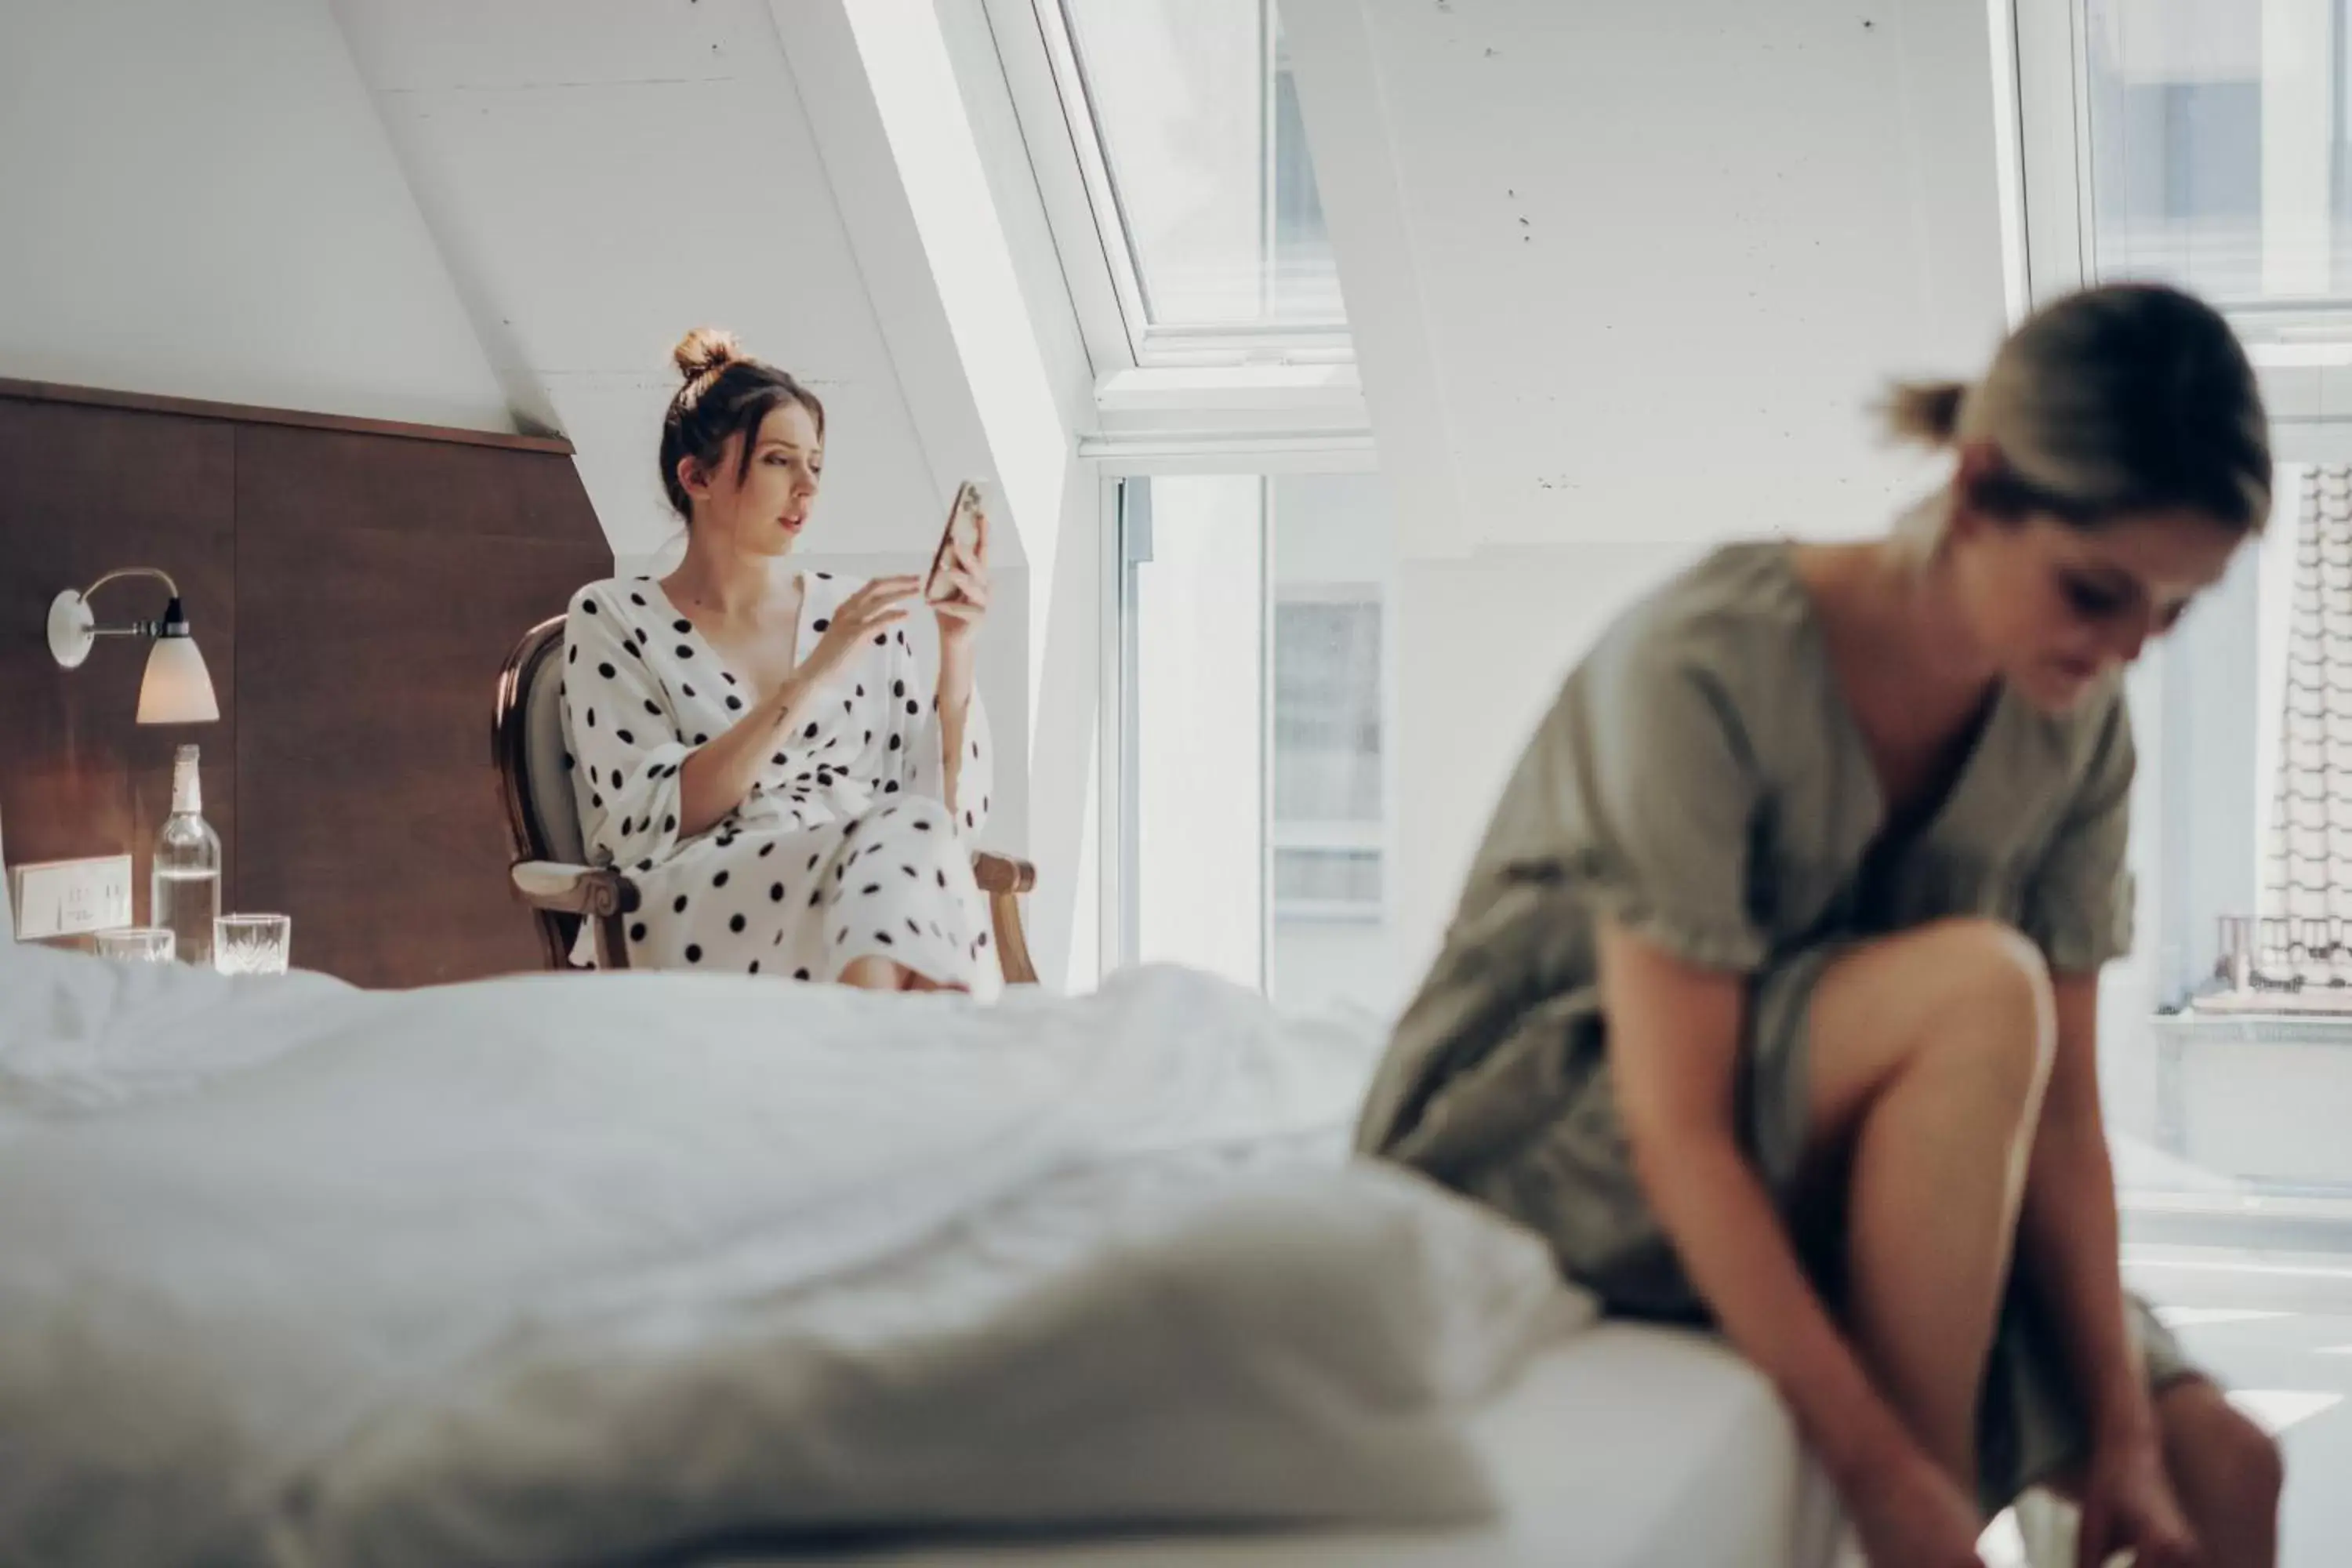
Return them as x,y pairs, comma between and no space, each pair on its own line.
1003,874
573,889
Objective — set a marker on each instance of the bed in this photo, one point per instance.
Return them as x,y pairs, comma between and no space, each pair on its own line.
667,1269
1622,1447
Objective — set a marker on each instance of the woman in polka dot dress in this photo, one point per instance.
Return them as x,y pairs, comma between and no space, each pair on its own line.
757,745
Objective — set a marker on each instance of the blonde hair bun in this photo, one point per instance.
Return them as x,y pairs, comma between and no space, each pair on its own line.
704,350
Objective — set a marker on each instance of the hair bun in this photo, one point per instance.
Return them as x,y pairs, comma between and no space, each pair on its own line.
1925,412
704,351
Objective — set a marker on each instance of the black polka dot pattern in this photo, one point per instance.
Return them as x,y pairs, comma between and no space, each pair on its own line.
869,797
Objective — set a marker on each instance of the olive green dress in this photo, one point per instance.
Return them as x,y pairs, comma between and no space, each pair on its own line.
1701,780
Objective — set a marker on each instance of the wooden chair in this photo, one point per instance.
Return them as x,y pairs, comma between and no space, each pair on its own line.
551,873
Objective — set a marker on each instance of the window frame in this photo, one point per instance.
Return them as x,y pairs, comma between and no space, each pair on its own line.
1263,401
1116,783
1072,172
2300,350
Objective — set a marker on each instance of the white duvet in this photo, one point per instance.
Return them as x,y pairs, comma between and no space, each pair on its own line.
556,1270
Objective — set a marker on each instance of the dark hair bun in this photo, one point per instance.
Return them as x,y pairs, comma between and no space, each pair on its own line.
704,351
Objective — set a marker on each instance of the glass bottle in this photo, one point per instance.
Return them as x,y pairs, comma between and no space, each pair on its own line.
183,888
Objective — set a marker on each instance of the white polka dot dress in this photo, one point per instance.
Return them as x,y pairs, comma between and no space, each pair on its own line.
846,847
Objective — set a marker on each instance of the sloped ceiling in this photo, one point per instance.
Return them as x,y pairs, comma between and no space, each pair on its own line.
602,175
200,201
1637,271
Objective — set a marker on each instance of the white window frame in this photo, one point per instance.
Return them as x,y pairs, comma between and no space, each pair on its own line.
1074,180
2302,352
1115,820
1266,401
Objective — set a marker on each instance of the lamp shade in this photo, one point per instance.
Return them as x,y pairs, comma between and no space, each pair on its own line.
178,689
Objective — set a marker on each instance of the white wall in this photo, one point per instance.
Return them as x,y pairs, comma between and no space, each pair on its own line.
199,201
1624,280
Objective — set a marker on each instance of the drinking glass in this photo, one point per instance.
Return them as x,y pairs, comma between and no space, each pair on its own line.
135,944
252,945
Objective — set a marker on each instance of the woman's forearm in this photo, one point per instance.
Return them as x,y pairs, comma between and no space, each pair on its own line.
955,715
716,775
2068,1239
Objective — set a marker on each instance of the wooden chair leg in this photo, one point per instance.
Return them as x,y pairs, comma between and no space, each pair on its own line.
1012,942
612,944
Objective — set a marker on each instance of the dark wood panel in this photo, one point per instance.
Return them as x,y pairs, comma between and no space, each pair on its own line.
382,586
84,490
197,408
449,493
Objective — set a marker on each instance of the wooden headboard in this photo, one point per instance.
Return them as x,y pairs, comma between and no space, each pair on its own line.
354,585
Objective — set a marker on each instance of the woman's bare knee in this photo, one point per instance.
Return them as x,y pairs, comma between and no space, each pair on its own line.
1986,962
1971,998
2000,1002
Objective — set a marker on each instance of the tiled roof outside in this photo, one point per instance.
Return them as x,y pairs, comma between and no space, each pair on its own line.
2307,869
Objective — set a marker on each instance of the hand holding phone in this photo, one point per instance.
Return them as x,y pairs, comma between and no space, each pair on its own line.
959,544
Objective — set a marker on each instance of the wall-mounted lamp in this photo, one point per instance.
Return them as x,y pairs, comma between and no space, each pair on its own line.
178,689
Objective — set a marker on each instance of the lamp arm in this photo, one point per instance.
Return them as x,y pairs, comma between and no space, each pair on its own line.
121,572
136,629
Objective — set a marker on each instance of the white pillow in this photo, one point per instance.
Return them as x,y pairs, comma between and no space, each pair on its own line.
1157,1344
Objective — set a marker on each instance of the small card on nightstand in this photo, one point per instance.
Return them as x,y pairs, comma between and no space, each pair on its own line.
70,898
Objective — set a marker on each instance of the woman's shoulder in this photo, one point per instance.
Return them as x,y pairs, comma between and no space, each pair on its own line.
1738,617
609,595
614,612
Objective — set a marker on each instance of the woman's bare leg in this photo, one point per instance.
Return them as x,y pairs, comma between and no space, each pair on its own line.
1929,1055
881,974
875,975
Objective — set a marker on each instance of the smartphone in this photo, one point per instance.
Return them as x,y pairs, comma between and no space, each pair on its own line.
962,528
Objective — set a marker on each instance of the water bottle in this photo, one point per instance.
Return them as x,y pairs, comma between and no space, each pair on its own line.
183,889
